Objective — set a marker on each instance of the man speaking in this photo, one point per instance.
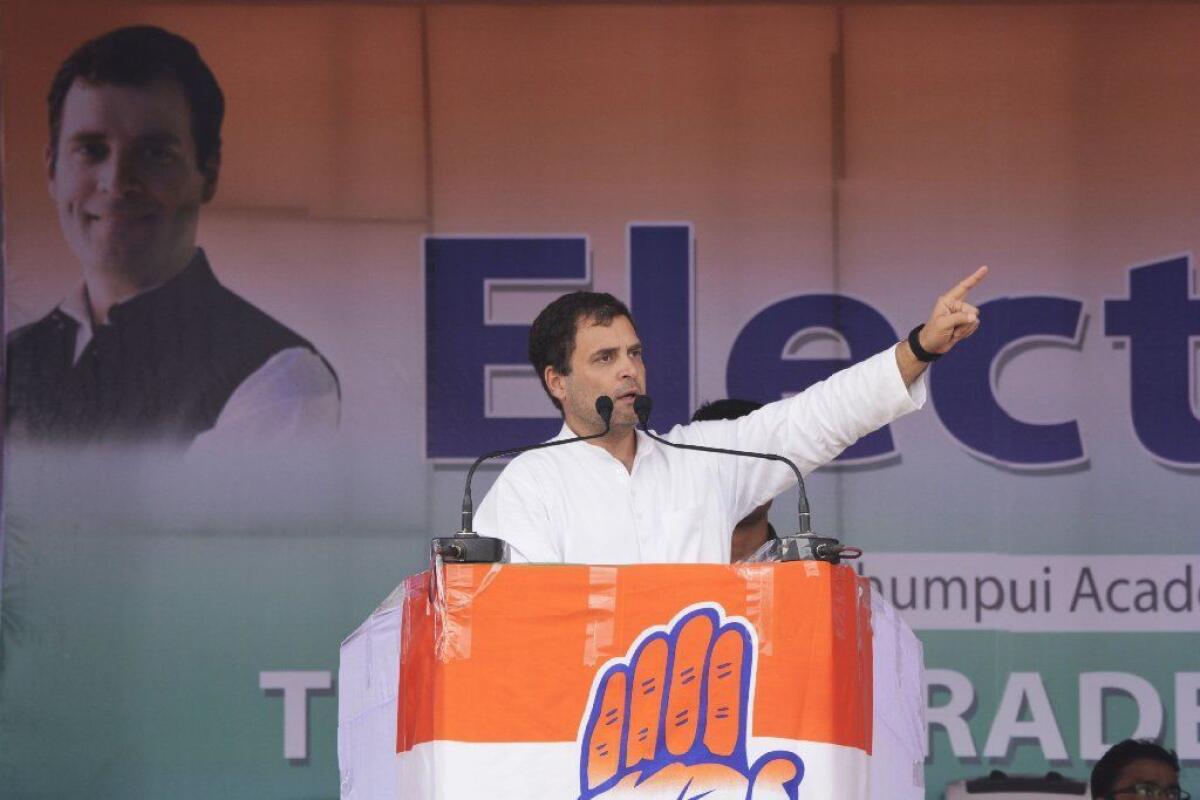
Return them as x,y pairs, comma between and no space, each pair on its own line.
623,498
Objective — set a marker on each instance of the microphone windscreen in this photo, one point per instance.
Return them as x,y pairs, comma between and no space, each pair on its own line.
604,407
641,406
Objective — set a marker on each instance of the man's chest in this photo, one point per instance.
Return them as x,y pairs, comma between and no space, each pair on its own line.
662,512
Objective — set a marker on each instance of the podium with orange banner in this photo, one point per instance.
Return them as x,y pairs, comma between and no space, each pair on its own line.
586,682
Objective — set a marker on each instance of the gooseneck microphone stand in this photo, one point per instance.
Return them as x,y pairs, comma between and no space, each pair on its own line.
468,547
804,545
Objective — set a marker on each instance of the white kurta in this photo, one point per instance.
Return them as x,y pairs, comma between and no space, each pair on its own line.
578,504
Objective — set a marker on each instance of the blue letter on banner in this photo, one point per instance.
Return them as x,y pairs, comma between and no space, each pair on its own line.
660,283
962,390
1161,318
758,369
460,344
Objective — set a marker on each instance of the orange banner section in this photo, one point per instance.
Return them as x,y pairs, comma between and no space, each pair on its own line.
511,653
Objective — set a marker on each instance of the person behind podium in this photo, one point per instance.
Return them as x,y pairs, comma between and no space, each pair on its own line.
624,499
755,529
150,348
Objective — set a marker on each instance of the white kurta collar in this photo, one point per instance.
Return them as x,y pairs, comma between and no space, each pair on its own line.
645,445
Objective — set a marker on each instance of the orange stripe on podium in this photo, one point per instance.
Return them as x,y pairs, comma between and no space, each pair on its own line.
511,653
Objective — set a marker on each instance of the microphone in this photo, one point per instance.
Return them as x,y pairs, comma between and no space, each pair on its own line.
466,546
801,546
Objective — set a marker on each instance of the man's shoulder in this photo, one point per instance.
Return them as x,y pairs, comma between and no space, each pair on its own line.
237,315
248,329
198,304
534,460
34,336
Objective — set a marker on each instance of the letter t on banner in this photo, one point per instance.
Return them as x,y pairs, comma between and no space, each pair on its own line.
295,687
1161,320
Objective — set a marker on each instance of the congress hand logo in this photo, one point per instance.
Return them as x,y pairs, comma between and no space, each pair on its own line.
671,719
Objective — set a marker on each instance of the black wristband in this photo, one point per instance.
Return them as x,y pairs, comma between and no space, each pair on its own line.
914,344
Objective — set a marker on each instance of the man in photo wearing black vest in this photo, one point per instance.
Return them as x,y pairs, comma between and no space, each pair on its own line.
150,348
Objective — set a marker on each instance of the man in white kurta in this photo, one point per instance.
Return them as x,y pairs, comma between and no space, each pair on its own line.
578,503
625,499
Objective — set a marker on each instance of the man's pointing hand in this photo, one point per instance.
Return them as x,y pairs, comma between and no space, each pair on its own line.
952,320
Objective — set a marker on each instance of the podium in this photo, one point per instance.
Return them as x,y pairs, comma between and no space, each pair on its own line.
744,680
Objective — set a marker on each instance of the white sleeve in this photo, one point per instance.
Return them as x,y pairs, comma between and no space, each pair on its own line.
293,395
811,428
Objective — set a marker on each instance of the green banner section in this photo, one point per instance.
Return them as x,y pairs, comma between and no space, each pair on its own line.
131,663
999,666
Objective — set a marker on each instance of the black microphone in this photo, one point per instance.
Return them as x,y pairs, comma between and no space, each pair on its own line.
802,546
468,546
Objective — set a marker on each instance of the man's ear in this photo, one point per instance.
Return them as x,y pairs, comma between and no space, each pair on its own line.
48,159
211,170
556,382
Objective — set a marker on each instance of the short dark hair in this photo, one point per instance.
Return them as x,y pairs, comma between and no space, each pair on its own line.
138,56
1108,768
552,336
729,408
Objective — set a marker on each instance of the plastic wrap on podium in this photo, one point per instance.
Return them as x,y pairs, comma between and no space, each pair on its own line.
750,680
899,740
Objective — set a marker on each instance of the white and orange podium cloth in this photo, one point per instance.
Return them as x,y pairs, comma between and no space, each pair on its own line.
612,682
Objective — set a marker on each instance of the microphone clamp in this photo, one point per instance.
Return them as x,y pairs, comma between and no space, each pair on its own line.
469,548
810,547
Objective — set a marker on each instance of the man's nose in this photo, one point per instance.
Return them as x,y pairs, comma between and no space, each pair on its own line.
121,174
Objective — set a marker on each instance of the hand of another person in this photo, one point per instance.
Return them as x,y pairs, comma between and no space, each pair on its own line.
670,720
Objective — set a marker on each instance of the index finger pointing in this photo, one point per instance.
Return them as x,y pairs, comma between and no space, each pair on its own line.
968,283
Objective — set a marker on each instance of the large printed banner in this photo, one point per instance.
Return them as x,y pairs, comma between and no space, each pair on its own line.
219,461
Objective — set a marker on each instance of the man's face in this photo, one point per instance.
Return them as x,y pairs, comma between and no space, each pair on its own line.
607,360
125,179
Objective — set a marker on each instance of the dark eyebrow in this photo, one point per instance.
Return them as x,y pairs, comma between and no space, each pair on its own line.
154,137
159,137
607,351
87,136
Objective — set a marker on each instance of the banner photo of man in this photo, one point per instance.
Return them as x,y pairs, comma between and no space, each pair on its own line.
149,346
